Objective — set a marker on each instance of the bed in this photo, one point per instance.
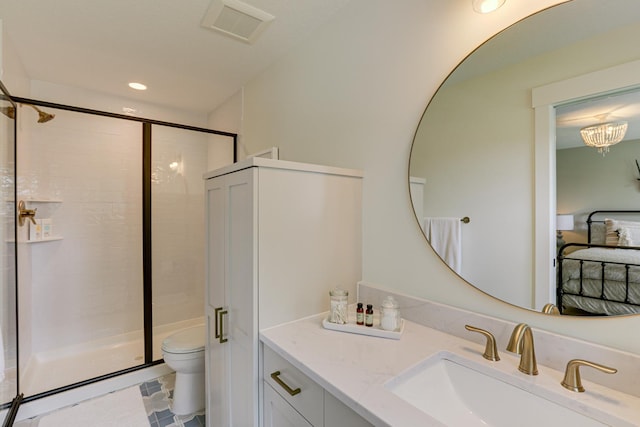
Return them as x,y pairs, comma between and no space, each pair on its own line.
602,276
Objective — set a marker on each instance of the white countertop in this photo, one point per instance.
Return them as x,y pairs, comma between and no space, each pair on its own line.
354,368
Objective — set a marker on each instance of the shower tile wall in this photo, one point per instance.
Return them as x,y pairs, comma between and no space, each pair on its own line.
86,286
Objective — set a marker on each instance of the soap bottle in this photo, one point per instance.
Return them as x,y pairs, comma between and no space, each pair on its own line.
360,314
368,317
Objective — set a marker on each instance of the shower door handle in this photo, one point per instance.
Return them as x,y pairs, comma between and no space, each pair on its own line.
219,312
222,338
217,315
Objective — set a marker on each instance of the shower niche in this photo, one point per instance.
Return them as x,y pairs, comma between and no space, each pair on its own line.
39,225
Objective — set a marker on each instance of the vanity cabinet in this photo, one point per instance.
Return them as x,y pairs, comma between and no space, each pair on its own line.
280,235
293,399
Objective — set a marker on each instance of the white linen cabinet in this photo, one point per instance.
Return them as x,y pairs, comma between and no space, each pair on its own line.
280,236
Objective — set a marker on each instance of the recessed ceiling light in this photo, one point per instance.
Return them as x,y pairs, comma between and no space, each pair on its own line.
137,86
486,6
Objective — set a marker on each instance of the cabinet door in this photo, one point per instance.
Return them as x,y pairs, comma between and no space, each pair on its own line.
216,353
278,413
242,300
232,351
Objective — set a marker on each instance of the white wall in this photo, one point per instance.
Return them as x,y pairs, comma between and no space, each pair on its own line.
352,97
12,72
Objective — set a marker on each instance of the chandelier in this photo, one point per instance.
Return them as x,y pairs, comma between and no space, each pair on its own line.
603,135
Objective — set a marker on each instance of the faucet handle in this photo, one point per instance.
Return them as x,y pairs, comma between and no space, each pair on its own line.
572,379
491,349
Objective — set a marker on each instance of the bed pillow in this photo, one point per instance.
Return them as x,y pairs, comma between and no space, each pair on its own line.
598,233
622,233
629,236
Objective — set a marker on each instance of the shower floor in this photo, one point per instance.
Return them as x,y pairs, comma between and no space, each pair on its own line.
57,368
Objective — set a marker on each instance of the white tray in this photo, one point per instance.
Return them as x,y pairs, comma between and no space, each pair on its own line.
374,331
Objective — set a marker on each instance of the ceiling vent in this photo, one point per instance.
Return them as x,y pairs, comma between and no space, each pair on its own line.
236,19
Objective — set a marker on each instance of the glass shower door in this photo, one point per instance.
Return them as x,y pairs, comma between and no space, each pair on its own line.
80,287
179,157
8,297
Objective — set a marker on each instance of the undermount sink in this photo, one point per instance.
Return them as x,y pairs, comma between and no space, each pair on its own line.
458,392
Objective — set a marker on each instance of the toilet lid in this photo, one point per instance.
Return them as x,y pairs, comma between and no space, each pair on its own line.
188,340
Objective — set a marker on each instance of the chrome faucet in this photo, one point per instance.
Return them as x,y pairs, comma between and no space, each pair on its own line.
521,342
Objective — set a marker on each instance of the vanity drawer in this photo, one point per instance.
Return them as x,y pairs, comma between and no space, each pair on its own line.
309,402
278,413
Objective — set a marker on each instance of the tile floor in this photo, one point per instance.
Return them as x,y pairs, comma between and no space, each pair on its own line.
156,395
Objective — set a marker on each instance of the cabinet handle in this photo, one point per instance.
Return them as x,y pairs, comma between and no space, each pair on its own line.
221,337
217,315
276,377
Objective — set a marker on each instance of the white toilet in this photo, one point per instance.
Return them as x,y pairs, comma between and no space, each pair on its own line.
183,352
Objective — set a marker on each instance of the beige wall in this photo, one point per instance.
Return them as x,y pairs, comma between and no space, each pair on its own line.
352,96
587,181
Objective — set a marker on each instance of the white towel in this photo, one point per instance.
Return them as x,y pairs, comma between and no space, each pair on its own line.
445,236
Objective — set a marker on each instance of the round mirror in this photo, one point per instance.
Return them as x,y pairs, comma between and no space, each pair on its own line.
475,157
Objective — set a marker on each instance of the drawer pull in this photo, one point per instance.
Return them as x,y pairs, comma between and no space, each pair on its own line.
276,377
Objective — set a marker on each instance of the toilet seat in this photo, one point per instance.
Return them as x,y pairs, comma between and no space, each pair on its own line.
190,340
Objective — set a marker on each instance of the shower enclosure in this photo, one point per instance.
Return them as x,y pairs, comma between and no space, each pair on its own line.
8,325
114,259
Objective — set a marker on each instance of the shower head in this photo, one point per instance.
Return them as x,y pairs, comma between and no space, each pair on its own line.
8,111
42,116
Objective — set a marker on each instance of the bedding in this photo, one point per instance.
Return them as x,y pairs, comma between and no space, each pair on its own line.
615,297
602,276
